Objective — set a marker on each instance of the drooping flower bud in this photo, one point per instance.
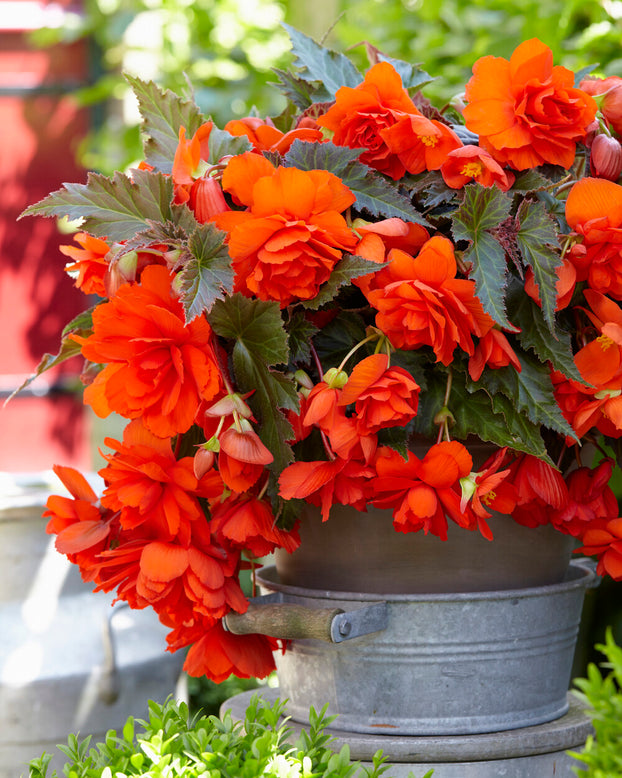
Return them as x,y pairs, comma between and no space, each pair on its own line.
606,157
207,199
335,379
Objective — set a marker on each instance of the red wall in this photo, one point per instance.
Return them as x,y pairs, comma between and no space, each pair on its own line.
40,126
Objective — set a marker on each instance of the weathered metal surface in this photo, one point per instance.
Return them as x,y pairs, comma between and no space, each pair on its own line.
460,663
530,752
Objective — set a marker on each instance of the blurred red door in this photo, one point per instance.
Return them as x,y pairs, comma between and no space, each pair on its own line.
40,127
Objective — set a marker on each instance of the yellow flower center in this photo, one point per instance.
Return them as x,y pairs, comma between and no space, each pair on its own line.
488,497
472,170
429,140
605,342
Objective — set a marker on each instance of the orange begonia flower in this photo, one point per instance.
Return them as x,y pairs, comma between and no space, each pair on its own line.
324,483
248,523
287,242
191,155
493,350
610,103
157,366
242,457
527,111
421,302
218,654
423,493
594,212
360,114
89,263
81,526
419,143
265,137
604,539
589,498
539,488
383,396
148,485
471,163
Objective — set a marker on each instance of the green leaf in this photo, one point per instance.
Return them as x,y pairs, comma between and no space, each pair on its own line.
116,208
338,337
300,92
373,193
300,331
530,391
482,210
163,113
494,419
318,63
222,144
538,243
552,346
260,342
530,181
413,77
349,267
207,273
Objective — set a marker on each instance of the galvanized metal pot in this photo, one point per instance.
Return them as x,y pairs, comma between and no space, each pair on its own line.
438,664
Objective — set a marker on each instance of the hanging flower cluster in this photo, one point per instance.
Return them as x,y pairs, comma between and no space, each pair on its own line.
287,308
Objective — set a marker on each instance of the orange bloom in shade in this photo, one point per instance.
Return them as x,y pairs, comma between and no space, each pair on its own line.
589,498
492,350
539,488
247,523
265,137
242,458
419,143
488,488
326,483
148,485
421,302
603,539
218,654
423,493
383,396
594,212
471,163
89,264
81,527
360,114
157,367
610,104
285,245
525,110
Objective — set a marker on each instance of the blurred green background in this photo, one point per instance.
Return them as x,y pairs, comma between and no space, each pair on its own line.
226,49
222,52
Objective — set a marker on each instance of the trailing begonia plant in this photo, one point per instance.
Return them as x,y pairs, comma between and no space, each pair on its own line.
285,306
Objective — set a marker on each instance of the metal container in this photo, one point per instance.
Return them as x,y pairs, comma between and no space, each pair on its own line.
529,752
361,551
69,660
445,664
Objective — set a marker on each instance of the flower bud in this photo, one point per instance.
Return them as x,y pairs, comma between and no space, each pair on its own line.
207,199
336,379
606,157
203,461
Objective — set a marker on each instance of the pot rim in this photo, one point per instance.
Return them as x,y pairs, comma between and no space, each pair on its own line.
581,575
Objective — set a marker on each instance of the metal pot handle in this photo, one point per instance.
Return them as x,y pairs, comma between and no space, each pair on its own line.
268,616
109,684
